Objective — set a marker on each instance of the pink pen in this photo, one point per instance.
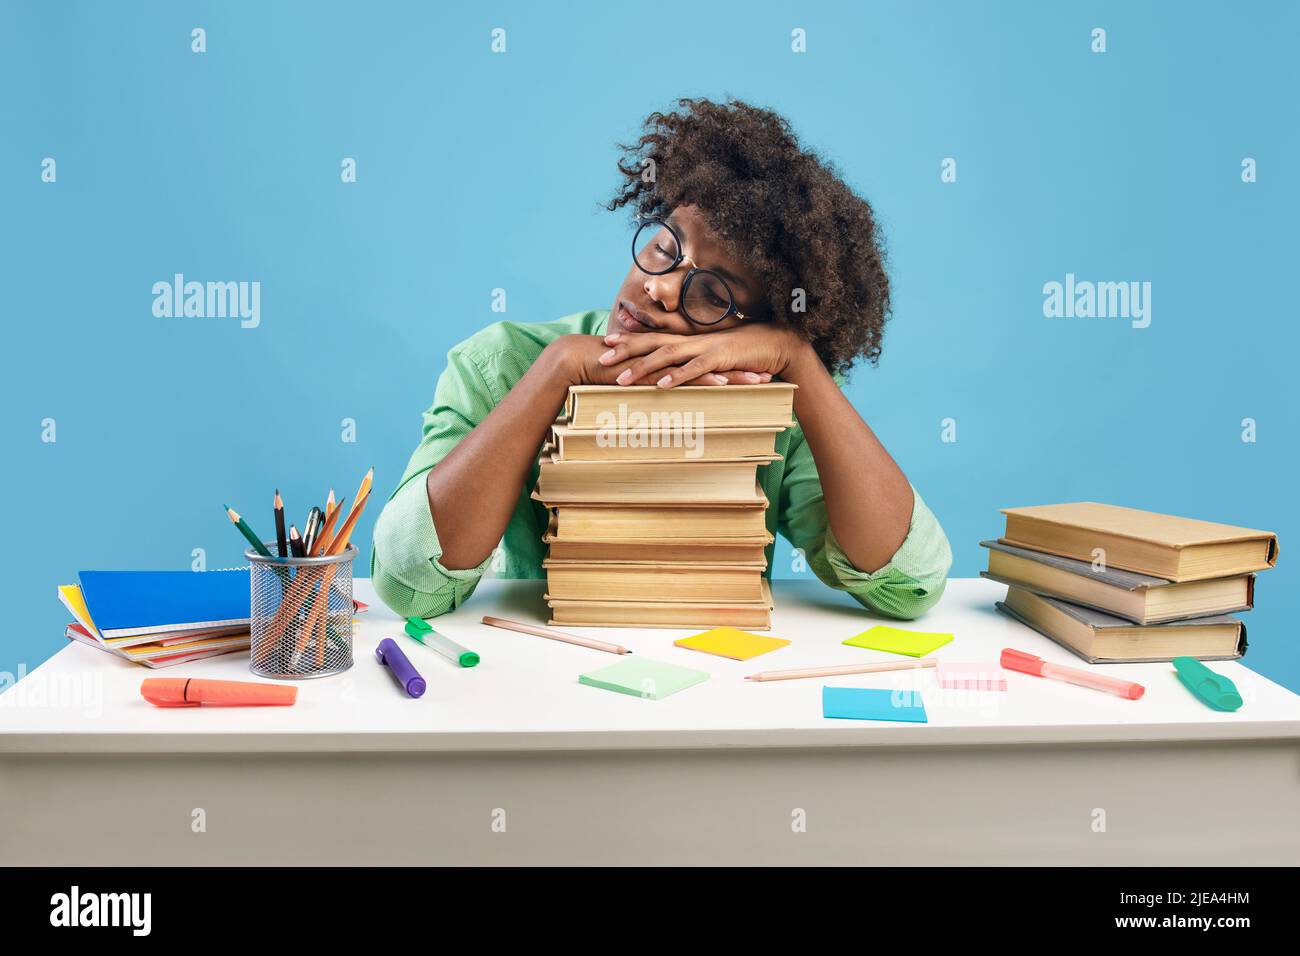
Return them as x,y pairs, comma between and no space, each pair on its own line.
1014,660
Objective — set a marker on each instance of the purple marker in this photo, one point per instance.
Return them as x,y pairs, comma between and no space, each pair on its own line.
391,655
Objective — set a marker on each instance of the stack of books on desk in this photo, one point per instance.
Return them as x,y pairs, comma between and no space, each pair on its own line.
1117,584
658,519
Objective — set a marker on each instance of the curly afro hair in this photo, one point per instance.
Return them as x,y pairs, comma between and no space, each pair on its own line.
779,207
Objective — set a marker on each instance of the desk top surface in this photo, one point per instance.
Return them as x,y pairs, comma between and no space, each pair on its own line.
525,694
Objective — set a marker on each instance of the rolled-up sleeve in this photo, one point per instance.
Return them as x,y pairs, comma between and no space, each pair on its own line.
405,561
907,586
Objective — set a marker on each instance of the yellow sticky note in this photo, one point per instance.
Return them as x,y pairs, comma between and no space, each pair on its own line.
731,642
895,640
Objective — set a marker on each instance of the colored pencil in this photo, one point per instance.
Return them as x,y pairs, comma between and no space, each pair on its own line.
281,542
295,542
844,669
547,633
247,532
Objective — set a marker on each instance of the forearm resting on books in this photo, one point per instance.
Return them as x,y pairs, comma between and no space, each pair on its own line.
473,490
868,498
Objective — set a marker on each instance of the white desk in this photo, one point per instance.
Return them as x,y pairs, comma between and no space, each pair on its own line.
728,771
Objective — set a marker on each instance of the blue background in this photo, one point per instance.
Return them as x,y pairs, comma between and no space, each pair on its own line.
474,168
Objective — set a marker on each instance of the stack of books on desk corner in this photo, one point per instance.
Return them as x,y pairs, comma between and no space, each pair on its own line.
1116,584
657,515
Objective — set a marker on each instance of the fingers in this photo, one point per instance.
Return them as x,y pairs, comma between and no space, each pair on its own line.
625,346
708,378
732,377
747,378
693,369
676,353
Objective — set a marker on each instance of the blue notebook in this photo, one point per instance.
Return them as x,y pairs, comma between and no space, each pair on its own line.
125,603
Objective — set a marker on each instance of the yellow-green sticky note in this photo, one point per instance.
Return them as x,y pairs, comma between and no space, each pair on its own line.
895,640
731,642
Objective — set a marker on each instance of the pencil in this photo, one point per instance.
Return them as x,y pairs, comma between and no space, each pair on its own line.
295,542
844,669
546,632
247,532
281,542
339,543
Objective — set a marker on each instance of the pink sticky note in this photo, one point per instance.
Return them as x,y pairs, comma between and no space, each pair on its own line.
956,675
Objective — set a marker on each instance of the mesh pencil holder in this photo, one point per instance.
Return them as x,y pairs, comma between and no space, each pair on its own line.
301,622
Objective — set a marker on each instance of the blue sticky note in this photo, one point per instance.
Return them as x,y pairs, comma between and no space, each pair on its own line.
869,703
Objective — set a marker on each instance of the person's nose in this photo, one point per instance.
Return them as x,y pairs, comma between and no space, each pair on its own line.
666,290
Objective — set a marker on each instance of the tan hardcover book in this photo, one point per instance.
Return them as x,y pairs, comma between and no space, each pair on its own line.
595,444
747,550
657,482
1140,598
676,584
685,521
1164,546
606,406
1101,638
751,615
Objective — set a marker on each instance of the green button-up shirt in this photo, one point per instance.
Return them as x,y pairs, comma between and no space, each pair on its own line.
405,563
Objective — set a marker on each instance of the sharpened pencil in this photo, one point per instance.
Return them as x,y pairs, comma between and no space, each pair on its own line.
340,542
281,542
844,669
547,633
246,531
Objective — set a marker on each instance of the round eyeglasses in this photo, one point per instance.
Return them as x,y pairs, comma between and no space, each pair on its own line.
706,297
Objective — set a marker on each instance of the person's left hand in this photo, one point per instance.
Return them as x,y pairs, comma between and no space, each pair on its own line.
751,353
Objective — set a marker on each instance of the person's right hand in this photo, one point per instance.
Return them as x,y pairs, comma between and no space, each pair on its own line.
576,359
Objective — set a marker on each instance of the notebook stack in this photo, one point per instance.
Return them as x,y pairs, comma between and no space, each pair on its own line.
1116,584
159,618
657,515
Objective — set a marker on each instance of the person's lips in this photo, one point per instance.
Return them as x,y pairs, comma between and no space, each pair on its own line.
633,319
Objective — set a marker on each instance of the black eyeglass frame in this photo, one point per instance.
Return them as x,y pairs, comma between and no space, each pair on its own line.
690,275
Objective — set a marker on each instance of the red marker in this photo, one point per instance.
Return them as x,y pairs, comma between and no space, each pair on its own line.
1014,660
192,691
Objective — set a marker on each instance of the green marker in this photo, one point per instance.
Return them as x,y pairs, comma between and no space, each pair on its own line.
247,532
1211,689
419,629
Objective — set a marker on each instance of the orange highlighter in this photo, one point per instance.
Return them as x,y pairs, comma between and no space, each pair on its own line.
1014,660
191,691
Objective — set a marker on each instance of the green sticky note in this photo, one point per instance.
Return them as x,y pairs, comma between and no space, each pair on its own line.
895,640
643,678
